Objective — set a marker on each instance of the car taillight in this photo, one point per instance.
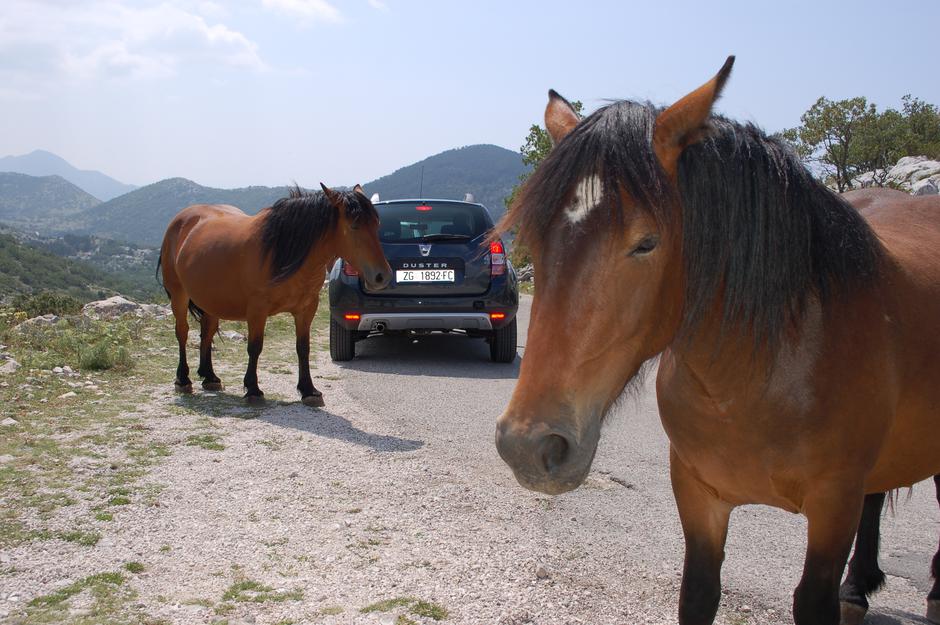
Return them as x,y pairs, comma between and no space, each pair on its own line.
349,269
351,317
497,316
497,258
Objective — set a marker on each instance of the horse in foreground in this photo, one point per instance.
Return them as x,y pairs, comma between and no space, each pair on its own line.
220,263
796,328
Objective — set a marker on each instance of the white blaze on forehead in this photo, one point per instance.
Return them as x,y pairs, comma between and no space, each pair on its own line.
587,195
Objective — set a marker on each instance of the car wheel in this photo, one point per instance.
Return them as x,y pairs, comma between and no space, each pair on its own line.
503,343
342,342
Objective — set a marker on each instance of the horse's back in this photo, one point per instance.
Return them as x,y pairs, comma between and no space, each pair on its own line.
909,229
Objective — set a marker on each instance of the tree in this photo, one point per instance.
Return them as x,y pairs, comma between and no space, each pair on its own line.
846,138
538,143
829,137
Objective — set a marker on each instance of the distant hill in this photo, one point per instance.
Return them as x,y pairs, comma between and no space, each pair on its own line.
25,269
489,172
42,203
43,163
142,215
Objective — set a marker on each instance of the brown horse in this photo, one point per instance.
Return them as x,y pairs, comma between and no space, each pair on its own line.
220,263
796,328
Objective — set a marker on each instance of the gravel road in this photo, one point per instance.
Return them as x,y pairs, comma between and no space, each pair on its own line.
395,493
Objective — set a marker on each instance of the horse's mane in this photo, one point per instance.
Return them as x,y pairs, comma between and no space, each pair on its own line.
758,230
294,224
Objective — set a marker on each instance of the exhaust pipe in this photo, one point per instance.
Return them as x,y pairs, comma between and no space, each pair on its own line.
379,326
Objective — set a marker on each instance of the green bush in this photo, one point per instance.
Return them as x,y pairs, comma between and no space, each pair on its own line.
45,303
97,357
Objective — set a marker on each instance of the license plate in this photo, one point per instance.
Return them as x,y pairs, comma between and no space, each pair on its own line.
424,275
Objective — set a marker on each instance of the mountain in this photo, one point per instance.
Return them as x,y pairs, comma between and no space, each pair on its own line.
42,163
42,203
141,216
489,172
26,269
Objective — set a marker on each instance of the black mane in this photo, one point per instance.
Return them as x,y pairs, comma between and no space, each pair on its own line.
294,224
757,229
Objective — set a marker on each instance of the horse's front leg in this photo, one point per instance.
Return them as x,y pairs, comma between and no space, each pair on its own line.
864,576
705,527
310,396
256,325
832,511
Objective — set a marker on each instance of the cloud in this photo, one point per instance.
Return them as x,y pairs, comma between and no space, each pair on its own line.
307,10
378,5
83,40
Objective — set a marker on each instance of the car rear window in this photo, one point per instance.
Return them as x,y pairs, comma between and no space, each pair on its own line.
408,222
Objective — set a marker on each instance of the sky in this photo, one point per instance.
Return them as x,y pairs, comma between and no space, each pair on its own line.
266,92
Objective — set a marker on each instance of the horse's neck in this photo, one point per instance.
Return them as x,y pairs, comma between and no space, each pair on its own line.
727,368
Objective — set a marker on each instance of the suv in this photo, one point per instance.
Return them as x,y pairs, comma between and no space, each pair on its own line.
447,279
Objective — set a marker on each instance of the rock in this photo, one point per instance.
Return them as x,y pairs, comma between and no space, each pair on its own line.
9,366
232,335
9,421
525,273
5,458
541,572
110,308
67,369
43,320
907,175
157,311
926,187
58,370
68,395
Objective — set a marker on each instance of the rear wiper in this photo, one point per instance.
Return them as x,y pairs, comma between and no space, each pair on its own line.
444,237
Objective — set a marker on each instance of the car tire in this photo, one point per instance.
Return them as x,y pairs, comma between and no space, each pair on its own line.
342,342
503,343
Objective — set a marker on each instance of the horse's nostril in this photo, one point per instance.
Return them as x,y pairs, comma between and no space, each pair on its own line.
379,278
554,452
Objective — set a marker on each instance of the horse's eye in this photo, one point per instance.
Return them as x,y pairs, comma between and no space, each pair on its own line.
645,246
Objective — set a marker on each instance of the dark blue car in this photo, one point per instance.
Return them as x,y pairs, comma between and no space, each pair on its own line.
447,278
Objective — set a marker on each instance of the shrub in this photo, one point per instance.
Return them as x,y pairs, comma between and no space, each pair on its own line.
45,303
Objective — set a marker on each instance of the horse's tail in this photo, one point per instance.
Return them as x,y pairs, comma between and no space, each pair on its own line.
195,311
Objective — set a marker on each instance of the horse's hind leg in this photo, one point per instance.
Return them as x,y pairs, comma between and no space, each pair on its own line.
704,520
864,576
208,326
309,395
256,325
933,599
180,306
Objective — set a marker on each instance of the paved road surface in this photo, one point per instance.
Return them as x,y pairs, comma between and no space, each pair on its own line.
443,389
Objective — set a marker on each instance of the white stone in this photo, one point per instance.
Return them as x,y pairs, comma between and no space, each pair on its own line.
9,366
68,395
9,421
109,308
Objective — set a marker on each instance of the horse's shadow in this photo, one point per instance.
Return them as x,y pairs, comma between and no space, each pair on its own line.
888,616
319,422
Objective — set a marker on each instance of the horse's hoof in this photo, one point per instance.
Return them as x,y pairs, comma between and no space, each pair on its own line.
183,388
933,611
212,386
314,401
254,400
852,614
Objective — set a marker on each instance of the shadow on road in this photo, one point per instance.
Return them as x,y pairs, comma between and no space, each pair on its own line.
319,422
893,617
440,355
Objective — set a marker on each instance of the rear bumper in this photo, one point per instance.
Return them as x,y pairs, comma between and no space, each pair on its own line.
425,321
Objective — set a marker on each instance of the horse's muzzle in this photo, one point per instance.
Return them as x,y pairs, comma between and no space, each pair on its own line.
551,460
377,280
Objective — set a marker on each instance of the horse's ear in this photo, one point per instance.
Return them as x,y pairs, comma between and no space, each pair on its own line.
358,189
560,116
332,196
684,123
